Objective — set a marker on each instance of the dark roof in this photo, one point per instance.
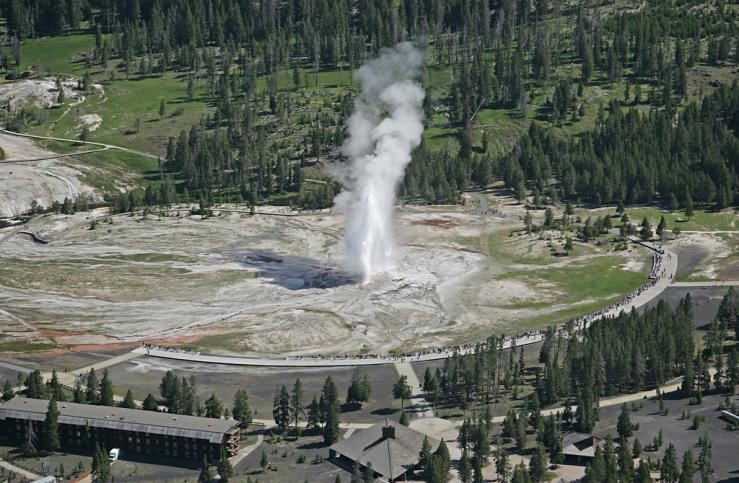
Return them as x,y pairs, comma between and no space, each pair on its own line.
368,446
579,444
135,420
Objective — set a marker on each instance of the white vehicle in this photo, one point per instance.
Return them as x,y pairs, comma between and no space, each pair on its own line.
114,454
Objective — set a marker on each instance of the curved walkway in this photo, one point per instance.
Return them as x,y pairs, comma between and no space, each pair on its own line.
663,272
101,147
707,284
19,471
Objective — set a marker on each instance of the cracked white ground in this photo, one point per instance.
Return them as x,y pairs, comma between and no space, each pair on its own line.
261,284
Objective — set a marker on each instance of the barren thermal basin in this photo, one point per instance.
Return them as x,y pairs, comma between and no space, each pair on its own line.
253,284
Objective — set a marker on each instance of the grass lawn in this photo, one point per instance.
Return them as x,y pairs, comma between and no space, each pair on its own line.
508,249
24,346
700,221
57,55
123,103
584,286
55,461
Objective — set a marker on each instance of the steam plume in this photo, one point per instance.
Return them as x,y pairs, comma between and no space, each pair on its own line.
383,131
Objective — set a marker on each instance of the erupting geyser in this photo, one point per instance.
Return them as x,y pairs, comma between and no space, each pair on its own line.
383,131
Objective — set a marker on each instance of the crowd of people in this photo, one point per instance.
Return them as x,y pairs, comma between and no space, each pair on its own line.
657,272
185,350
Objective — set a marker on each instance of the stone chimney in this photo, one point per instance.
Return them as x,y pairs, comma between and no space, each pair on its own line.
388,432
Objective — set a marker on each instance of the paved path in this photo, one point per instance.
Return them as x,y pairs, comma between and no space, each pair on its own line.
666,272
15,367
707,284
69,378
421,407
20,471
246,451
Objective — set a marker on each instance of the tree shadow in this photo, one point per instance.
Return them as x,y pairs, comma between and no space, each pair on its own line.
313,445
385,411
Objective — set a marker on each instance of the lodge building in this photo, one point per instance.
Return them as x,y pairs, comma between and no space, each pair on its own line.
132,430
392,451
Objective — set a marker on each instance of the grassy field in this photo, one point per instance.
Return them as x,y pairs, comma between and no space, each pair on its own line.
583,287
130,114
700,221
57,55
24,346
130,108
507,247
725,220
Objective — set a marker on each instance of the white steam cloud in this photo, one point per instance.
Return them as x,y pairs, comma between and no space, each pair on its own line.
383,131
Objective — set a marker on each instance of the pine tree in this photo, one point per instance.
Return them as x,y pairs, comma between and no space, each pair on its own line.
264,462
128,401
162,109
190,89
624,427
520,433
55,389
359,388
281,409
465,468
643,474
646,229
330,411
91,393
442,453
595,471
625,464
356,474
403,418
205,475
225,470
402,391
732,370
538,464
106,390
150,403
297,411
60,97
102,471
369,473
705,460
689,207
29,444
661,227
314,413
687,469
78,394
213,407
8,391
50,432
35,387
669,471
424,457
520,474
241,411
